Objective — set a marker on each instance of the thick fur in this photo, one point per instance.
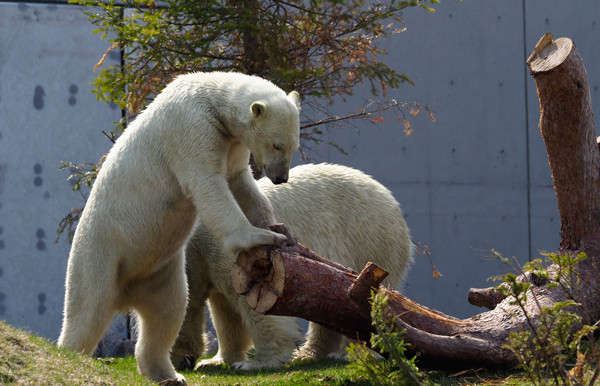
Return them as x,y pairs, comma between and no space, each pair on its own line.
336,211
170,169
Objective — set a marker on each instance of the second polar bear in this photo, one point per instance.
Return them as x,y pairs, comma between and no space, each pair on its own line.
336,211
176,164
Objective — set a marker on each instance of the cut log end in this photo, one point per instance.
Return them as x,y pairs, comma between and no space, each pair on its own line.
259,275
372,275
549,53
369,278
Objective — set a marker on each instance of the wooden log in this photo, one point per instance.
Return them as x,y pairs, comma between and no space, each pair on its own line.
281,281
490,297
568,129
273,279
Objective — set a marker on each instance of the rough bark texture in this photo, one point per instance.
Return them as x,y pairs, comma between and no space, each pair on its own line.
293,281
312,287
568,128
290,281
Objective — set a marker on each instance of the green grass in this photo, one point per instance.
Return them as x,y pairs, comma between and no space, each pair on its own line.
298,373
27,359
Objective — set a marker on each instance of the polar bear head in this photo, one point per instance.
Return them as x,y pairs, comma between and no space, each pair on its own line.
273,134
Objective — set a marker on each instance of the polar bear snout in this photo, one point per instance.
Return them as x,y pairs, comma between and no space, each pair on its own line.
276,176
280,180
277,179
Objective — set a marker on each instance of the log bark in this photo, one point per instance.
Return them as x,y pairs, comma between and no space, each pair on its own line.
290,281
568,129
293,281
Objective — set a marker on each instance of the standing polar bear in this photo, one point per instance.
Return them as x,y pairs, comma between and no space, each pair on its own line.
336,211
172,167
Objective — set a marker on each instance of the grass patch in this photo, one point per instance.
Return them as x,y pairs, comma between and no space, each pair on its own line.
28,359
323,372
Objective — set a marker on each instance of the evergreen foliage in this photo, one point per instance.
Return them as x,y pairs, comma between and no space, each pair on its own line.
396,368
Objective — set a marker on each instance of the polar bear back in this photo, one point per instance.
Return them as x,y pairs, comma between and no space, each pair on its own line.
374,228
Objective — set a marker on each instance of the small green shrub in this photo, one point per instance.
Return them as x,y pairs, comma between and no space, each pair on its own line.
558,348
396,369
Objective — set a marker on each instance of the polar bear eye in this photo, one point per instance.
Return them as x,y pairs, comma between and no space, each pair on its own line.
276,147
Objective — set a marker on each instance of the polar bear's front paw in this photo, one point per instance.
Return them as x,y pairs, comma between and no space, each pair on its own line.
179,380
209,363
340,356
246,239
256,365
261,236
273,238
310,352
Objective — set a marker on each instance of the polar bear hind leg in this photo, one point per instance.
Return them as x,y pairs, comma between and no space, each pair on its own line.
81,331
164,312
274,339
191,342
234,337
90,303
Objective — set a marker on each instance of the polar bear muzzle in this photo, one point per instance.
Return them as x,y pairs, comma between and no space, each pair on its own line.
276,175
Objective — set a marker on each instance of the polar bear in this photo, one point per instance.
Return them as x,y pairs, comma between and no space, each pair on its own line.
171,168
336,211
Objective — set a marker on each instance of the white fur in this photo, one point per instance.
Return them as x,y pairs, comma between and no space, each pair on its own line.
170,169
336,211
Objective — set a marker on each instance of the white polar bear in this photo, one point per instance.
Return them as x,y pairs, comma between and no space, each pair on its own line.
171,168
336,211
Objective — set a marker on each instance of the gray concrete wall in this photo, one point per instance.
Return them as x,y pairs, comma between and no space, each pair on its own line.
47,115
476,179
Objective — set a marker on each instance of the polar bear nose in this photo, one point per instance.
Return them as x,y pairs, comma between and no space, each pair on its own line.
280,180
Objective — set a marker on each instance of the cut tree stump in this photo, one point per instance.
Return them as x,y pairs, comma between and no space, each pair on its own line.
293,281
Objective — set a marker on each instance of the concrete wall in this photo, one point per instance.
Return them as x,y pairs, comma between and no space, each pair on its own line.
47,115
476,179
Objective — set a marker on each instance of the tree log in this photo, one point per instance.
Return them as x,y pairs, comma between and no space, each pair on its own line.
293,281
282,281
568,129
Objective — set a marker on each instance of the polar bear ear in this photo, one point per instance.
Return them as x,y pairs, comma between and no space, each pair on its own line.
295,97
258,108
